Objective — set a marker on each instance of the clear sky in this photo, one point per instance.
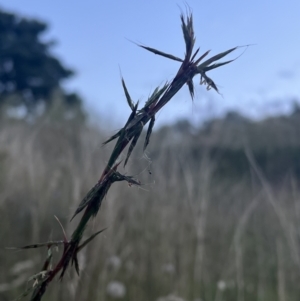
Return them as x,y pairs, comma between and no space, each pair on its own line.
93,35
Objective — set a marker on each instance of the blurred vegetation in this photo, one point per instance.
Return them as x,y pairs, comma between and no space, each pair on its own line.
274,142
29,72
216,219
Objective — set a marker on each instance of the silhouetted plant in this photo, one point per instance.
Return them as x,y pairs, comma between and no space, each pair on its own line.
191,65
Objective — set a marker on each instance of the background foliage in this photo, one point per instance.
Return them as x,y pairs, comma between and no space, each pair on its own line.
209,222
29,72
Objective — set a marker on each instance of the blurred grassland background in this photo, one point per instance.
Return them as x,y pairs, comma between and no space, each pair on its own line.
216,219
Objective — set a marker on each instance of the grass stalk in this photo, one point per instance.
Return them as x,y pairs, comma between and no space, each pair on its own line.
191,65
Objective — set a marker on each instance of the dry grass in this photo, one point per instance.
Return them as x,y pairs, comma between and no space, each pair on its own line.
185,232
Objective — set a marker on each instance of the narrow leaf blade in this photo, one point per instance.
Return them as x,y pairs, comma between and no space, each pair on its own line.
149,131
76,264
214,66
191,88
202,57
156,94
133,143
188,34
194,55
113,137
128,98
215,58
38,245
210,83
120,132
89,239
158,52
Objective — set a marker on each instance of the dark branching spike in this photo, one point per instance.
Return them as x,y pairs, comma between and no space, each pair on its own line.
89,239
214,66
65,265
39,245
158,52
76,264
214,86
127,124
128,98
188,34
129,179
152,98
47,263
119,133
133,143
216,58
64,268
156,94
132,181
202,57
99,198
113,137
162,90
191,29
191,88
184,31
132,115
194,55
210,83
87,199
81,206
149,131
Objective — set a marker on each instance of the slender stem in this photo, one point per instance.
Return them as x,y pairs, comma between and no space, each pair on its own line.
131,133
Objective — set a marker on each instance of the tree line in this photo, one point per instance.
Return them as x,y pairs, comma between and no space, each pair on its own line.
29,71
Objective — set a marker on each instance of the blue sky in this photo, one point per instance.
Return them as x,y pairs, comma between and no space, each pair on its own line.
93,35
